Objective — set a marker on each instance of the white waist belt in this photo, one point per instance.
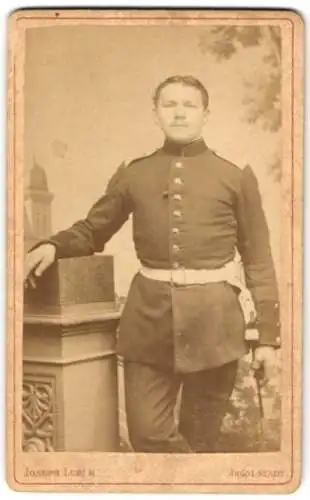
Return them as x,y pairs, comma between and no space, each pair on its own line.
228,273
183,276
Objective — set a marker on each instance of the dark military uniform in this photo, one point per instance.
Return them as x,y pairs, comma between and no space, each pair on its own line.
191,210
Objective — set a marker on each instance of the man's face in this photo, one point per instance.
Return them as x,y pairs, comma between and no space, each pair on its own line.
180,112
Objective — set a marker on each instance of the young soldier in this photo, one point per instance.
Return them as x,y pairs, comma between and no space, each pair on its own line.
183,324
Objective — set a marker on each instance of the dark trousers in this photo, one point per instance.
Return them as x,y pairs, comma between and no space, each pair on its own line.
151,394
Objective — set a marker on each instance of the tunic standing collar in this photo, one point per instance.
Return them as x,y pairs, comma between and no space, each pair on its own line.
192,149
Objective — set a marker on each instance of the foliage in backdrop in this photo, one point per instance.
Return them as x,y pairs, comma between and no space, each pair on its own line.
262,92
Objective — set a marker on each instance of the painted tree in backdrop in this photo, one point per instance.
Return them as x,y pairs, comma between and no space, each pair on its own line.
262,93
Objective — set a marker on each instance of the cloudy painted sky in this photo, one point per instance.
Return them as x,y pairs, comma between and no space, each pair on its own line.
88,107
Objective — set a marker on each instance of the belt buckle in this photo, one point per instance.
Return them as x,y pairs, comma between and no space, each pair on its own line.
178,276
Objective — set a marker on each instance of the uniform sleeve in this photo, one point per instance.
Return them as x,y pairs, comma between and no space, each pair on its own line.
104,219
254,248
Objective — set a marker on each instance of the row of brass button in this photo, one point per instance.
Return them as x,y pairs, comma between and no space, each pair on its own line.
177,214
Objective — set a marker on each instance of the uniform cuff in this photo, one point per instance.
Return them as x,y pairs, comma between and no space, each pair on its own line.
269,336
268,323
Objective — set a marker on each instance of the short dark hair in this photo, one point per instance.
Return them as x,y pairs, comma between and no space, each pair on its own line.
188,80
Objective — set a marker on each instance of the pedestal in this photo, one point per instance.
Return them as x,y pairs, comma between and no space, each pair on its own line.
70,398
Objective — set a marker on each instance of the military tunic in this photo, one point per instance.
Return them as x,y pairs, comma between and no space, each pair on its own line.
191,209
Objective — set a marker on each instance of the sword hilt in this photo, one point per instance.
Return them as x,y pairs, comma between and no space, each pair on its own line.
258,369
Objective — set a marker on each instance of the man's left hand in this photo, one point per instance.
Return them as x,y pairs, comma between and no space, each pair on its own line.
265,360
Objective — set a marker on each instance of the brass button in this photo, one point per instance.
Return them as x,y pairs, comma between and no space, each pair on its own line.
175,248
278,340
179,164
177,213
177,197
175,265
276,306
177,180
175,230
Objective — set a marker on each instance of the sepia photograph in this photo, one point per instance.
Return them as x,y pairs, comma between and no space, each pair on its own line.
155,163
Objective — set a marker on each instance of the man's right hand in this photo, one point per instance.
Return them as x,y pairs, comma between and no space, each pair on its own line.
37,261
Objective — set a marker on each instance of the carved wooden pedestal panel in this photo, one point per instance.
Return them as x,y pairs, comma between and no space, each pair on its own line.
70,377
39,427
